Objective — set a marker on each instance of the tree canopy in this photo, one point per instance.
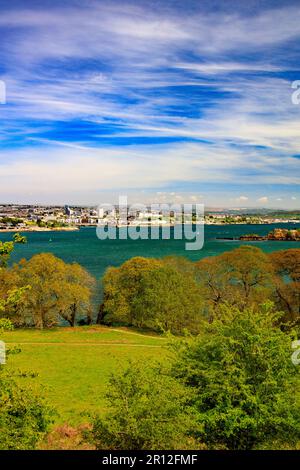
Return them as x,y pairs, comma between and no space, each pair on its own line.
244,381
56,290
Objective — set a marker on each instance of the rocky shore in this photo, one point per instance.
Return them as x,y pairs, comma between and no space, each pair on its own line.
278,234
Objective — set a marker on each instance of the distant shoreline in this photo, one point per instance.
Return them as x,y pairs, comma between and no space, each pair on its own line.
41,229
78,227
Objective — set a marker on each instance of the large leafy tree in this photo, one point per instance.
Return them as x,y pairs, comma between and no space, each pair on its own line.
73,292
287,282
213,279
246,387
242,277
157,294
287,263
122,286
56,290
170,300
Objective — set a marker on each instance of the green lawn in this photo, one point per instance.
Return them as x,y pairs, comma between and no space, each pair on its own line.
73,364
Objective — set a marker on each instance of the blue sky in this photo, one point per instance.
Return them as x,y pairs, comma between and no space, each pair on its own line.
161,100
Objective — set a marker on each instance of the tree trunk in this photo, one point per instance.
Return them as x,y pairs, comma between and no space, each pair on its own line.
100,315
73,315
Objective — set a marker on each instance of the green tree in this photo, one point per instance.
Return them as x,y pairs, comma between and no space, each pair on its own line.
251,272
156,294
168,299
74,292
246,387
56,290
213,279
10,295
243,277
147,410
24,415
6,248
121,287
286,264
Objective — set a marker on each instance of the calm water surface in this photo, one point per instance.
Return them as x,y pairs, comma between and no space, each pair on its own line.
96,255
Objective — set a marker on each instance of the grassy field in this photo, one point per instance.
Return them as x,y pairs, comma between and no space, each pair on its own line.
74,364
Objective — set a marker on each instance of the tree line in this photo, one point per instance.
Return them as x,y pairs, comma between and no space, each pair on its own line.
169,294
176,294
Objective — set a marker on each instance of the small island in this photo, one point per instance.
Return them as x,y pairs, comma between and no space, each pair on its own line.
278,234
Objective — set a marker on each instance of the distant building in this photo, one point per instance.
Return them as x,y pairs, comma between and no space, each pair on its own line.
68,211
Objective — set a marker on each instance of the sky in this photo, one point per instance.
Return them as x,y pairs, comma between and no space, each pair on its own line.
160,100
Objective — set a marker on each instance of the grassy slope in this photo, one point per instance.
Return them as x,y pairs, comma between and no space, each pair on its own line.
73,364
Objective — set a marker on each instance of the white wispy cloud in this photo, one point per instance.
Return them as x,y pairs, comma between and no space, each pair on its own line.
134,70
263,200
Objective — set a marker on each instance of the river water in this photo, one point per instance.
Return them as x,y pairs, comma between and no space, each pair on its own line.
96,255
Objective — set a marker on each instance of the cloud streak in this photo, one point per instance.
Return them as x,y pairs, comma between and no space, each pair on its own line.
108,95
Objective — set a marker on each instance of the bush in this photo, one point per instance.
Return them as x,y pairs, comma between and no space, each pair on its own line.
24,416
148,410
246,387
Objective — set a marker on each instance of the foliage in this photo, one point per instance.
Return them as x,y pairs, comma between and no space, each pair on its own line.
42,290
244,381
242,277
10,295
56,290
152,294
24,416
287,263
66,437
14,298
5,325
168,299
6,248
121,287
147,411
232,387
287,282
175,294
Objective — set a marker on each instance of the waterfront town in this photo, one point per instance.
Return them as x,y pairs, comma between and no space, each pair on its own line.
44,218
